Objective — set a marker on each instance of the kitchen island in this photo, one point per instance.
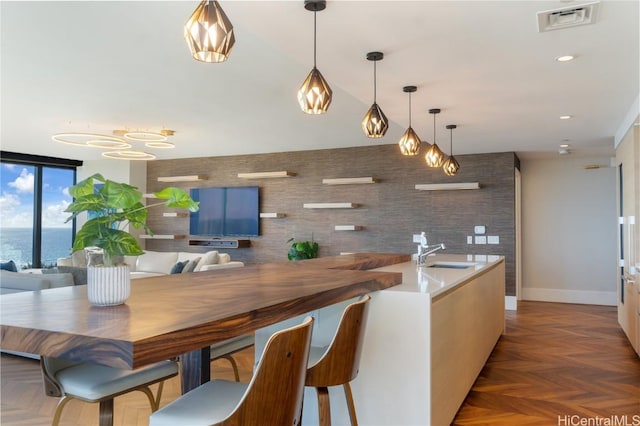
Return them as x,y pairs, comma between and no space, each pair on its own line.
426,341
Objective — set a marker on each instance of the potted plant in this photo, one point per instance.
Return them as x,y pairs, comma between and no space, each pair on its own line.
111,206
300,250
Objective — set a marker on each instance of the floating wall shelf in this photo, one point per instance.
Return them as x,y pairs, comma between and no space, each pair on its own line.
447,186
272,215
348,228
162,237
149,196
175,214
190,178
329,205
265,175
349,181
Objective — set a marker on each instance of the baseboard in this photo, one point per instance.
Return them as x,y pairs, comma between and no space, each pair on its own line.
607,298
510,303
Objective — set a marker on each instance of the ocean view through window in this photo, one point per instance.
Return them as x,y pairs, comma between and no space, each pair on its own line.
33,197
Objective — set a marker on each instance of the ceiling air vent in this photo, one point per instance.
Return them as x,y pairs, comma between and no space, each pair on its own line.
567,17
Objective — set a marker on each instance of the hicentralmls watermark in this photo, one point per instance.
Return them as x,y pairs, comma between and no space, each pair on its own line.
575,420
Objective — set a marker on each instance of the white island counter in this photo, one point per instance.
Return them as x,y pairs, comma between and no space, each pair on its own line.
425,343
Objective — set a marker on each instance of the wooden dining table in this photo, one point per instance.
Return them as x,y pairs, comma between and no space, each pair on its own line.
181,315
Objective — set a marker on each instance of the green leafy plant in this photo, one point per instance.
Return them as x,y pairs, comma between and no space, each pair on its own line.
300,250
112,206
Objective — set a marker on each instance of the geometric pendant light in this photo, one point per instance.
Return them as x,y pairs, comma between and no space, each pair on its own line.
314,96
409,143
434,156
209,33
375,123
451,166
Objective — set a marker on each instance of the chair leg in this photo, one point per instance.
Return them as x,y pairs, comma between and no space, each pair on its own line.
324,407
350,405
56,416
234,365
154,401
106,412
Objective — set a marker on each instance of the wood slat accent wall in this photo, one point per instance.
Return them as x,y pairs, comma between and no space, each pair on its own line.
389,211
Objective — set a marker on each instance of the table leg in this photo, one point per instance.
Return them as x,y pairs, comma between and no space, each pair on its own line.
195,369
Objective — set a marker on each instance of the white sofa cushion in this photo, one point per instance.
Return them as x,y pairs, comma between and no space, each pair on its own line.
224,258
209,258
156,261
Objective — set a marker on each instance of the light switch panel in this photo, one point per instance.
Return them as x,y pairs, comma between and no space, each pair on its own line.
481,239
479,229
469,239
416,238
493,239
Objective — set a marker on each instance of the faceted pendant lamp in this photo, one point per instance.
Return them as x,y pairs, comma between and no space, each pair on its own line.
451,166
409,142
375,123
434,156
209,33
314,96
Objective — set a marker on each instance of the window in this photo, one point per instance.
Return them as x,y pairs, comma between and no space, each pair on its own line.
34,195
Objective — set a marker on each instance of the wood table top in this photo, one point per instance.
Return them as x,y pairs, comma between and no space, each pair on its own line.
169,315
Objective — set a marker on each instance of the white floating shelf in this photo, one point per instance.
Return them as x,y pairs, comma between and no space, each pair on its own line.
175,214
447,186
265,175
349,181
272,215
329,205
348,227
162,237
189,178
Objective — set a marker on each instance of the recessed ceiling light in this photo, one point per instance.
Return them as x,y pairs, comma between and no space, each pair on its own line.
565,117
565,58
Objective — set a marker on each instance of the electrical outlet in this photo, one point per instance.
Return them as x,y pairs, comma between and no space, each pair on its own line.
493,239
469,239
481,239
479,229
416,238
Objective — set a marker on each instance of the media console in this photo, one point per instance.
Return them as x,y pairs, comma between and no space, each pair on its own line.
220,243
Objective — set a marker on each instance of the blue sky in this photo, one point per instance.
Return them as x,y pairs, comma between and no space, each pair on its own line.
16,196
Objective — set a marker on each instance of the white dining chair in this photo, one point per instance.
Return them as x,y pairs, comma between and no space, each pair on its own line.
98,383
272,397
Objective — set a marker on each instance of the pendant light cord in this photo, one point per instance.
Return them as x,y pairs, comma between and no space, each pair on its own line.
375,78
451,141
409,109
314,38
434,128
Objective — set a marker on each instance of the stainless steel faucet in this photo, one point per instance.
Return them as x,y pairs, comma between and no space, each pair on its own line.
424,249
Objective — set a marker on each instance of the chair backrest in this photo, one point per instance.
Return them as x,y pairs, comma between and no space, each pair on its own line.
274,395
50,366
341,361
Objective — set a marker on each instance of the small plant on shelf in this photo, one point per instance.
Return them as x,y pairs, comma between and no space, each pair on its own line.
300,250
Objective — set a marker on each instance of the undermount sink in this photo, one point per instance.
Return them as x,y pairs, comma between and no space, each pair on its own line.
451,265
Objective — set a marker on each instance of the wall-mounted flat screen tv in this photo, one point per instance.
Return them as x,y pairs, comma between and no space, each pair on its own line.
226,212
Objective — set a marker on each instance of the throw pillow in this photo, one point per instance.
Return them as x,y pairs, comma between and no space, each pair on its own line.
178,267
9,266
191,266
209,258
79,274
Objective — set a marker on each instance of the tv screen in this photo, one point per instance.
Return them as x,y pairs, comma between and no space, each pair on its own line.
226,212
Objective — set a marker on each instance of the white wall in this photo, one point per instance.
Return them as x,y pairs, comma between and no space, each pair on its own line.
569,231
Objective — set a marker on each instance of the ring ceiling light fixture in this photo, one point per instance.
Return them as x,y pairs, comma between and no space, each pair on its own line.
129,155
95,140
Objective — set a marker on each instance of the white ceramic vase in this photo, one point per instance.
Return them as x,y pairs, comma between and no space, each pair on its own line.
108,285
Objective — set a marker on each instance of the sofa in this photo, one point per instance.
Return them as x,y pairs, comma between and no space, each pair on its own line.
14,282
154,263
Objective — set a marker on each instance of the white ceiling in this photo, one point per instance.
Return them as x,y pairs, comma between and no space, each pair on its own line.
99,66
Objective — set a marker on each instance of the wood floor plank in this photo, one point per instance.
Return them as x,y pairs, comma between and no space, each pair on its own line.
554,360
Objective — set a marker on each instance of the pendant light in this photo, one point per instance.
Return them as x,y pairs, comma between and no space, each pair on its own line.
409,142
314,96
434,156
209,33
375,123
451,166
